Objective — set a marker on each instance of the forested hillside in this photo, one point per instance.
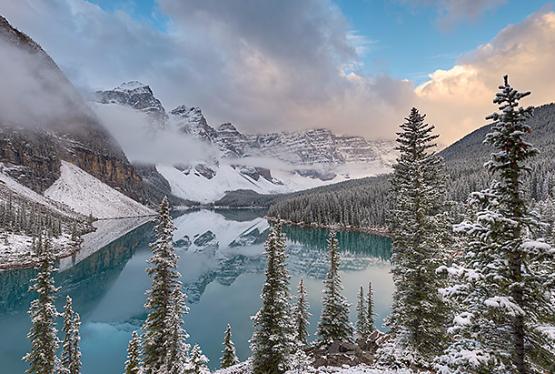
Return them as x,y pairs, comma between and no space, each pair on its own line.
363,202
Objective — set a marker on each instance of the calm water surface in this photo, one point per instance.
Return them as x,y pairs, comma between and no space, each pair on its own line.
222,263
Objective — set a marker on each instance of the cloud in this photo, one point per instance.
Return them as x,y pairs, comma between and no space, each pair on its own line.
458,99
261,65
35,92
142,143
453,12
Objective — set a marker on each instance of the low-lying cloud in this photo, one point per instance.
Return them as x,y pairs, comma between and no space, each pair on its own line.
34,93
145,142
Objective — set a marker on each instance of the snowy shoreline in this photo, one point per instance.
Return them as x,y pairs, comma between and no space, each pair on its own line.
107,231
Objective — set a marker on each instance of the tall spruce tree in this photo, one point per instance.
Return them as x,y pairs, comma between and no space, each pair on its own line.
273,341
44,342
334,323
504,287
133,364
419,231
177,348
71,354
301,315
370,311
163,297
229,355
362,322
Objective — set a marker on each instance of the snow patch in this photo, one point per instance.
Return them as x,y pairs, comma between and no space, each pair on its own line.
87,195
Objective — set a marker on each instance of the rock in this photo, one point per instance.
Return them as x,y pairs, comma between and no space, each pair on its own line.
184,242
205,171
205,239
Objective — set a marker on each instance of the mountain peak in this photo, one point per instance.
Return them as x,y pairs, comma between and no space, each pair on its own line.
227,127
183,110
133,86
136,95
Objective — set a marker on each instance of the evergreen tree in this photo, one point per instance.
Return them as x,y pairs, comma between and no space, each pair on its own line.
229,356
362,322
272,343
197,362
177,348
44,342
370,311
161,298
419,231
133,364
301,315
71,354
334,322
504,317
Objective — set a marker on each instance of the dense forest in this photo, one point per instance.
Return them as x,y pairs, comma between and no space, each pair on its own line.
363,202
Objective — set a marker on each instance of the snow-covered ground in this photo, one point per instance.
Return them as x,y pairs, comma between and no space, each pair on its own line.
194,186
15,249
88,195
243,368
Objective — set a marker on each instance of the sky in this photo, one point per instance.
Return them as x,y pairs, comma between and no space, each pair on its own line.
356,67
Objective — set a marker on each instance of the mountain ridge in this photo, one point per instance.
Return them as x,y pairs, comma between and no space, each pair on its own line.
363,202
269,163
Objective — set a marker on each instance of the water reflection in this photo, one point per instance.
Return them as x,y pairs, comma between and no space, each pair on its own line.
222,262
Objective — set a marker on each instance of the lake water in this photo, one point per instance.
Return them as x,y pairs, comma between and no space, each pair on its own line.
222,263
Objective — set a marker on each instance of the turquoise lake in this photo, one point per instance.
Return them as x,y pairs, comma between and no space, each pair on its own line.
222,264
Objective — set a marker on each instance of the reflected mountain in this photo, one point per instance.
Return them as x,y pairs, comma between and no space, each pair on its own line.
214,246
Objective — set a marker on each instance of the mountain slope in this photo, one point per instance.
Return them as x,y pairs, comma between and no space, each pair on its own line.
24,213
88,195
47,121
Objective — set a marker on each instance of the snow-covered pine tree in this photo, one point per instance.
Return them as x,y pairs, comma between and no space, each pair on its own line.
370,311
334,323
273,341
197,362
71,354
44,342
504,286
177,348
229,356
362,323
75,364
419,231
67,345
301,315
133,364
157,333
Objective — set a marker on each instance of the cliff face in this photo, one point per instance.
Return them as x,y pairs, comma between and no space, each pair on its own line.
53,124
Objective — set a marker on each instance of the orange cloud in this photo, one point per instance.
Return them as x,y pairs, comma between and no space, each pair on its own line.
457,100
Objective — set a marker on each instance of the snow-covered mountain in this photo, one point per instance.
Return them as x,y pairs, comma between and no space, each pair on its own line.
271,163
137,96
